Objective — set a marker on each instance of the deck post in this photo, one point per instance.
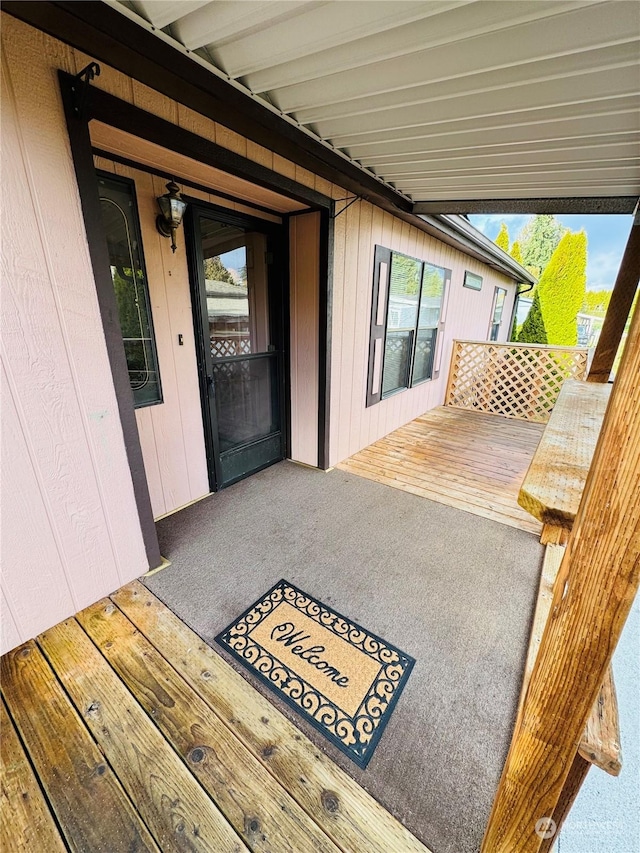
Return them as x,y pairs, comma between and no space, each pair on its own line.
618,312
601,569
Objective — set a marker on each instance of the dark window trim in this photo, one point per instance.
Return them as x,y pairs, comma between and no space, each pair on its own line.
87,180
131,184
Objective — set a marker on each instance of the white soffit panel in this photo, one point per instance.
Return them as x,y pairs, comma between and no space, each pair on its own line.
443,99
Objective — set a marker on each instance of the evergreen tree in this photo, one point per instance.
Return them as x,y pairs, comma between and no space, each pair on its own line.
215,270
516,253
596,302
533,330
502,240
538,240
561,289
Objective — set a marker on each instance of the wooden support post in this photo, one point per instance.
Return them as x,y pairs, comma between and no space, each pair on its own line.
601,571
618,312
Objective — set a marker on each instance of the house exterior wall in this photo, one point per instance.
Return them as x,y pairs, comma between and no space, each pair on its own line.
71,532
70,529
468,316
171,432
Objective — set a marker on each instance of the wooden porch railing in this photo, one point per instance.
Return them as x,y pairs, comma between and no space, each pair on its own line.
514,380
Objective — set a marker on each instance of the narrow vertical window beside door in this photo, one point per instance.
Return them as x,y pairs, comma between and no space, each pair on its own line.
122,230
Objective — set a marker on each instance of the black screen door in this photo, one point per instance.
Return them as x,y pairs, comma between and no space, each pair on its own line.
238,304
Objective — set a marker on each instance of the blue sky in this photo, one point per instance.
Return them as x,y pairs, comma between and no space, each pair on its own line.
607,236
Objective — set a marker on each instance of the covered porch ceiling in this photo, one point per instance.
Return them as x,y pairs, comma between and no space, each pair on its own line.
444,101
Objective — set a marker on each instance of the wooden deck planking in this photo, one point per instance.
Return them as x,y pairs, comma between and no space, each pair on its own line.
25,813
468,460
87,799
135,735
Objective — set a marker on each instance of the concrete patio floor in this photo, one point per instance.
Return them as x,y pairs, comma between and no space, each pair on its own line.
451,589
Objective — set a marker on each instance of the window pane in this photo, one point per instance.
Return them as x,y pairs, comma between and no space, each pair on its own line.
497,311
425,352
433,281
431,298
235,272
397,354
402,314
132,297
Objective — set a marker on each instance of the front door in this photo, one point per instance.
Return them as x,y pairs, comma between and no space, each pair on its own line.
238,292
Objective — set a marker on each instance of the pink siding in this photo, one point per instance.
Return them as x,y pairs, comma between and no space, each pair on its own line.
468,316
70,524
171,433
304,272
70,529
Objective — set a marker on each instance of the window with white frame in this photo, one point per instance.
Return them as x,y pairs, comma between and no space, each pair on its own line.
498,309
406,322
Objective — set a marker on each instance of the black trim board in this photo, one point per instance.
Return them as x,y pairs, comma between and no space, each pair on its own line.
325,299
578,204
115,112
87,179
109,36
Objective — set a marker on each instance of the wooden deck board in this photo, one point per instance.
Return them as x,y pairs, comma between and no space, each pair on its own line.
135,735
555,481
25,813
471,461
87,799
259,809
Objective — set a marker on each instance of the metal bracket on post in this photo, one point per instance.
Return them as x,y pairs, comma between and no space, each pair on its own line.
349,199
80,87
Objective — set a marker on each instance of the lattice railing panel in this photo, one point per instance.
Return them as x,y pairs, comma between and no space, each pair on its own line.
221,347
514,380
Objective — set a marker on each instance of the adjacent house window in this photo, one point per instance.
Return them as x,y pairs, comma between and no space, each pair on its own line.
498,308
122,229
406,318
472,281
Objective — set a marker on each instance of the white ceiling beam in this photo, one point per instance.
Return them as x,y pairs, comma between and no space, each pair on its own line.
478,165
529,128
320,29
160,13
626,178
543,148
570,94
534,42
226,19
442,29
528,73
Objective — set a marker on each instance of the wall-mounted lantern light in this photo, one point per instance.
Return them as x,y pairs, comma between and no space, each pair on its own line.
173,209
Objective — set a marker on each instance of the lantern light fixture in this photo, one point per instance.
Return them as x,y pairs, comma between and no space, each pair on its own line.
172,210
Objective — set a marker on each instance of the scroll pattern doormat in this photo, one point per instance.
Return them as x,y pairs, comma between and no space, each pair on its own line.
343,679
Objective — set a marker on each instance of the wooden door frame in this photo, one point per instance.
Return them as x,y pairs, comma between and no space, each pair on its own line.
274,231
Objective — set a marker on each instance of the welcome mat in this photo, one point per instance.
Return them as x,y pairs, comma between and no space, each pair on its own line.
343,679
